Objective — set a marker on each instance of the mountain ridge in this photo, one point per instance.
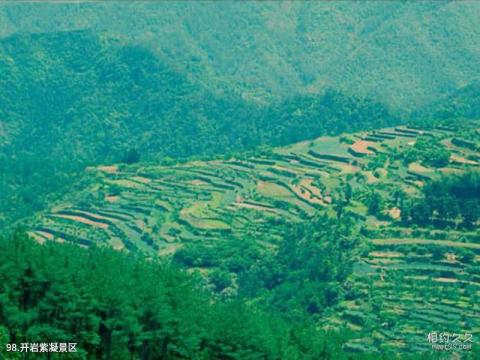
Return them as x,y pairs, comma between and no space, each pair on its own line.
306,46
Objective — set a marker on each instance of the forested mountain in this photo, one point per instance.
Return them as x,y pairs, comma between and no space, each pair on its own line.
405,54
76,98
240,180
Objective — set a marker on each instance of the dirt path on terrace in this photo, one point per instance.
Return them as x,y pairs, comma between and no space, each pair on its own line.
424,242
82,220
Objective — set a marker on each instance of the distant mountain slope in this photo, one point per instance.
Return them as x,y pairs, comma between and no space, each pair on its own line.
91,94
463,103
75,98
94,97
405,54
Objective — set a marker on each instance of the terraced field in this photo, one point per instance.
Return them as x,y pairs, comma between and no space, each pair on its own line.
413,286
430,278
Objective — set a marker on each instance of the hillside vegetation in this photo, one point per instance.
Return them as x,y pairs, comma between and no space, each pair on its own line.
403,54
115,306
73,99
463,103
91,83
320,229
240,180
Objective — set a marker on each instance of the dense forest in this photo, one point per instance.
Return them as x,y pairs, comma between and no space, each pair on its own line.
452,200
308,271
301,279
403,54
464,103
116,306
